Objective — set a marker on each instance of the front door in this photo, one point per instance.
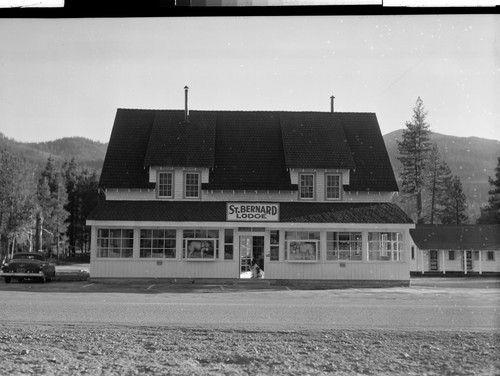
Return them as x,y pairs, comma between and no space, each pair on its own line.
433,262
251,248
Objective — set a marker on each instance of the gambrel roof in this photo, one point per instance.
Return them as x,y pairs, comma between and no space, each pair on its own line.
251,150
457,237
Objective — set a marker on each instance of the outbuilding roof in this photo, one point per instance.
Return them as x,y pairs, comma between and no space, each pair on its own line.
457,237
247,149
215,211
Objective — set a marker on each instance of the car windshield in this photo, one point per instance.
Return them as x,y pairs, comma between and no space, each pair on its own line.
27,256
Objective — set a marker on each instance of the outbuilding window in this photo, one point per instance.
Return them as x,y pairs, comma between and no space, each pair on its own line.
115,243
158,243
385,246
451,255
200,244
343,245
165,185
490,256
302,246
306,186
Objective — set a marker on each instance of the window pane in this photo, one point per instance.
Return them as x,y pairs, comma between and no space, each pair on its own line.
165,184
306,186
192,185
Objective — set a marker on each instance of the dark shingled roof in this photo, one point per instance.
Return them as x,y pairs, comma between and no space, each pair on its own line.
296,212
247,149
315,140
124,162
175,143
249,152
373,170
458,237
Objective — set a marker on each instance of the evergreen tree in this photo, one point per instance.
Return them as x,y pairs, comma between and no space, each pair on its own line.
456,208
414,152
52,198
16,203
491,212
439,180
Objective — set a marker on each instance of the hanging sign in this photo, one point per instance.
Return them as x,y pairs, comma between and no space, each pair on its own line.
252,211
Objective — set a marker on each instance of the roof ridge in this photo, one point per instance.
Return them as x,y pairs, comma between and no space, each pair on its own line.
247,111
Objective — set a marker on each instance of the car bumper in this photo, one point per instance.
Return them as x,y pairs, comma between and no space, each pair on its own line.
25,275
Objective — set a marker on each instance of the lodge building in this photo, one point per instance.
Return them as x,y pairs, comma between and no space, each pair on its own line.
198,195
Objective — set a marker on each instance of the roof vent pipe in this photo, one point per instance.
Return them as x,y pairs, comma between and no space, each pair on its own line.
331,103
186,109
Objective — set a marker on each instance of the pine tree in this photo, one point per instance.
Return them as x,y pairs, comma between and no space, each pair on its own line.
16,203
414,152
52,197
491,212
456,208
439,180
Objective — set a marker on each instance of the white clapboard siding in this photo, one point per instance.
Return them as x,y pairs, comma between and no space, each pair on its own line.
334,271
165,269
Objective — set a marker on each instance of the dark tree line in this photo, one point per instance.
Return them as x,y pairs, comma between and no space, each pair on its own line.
491,212
45,210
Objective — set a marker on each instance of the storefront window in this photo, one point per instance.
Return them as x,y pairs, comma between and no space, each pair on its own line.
158,243
115,243
385,246
343,246
275,245
228,244
200,244
302,246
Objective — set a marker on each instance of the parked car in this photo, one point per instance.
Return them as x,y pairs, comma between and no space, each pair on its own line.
28,265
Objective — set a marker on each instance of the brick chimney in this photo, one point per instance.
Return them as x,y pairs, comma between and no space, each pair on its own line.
331,103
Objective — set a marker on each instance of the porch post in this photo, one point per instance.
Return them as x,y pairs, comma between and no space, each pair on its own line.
480,262
444,268
465,262
422,260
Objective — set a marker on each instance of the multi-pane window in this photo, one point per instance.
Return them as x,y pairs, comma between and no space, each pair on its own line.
343,246
158,243
200,244
115,243
451,255
306,186
228,244
275,245
385,246
490,256
302,246
192,185
333,187
165,185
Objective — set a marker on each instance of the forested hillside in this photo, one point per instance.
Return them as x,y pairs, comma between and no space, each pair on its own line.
86,152
472,159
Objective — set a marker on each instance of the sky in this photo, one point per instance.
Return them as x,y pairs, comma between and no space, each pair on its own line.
67,77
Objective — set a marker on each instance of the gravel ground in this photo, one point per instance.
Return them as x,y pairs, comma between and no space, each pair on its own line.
122,350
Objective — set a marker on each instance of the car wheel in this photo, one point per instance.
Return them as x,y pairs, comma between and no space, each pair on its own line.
7,279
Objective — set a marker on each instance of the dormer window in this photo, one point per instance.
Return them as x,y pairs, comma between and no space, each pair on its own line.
333,187
192,185
306,186
165,185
